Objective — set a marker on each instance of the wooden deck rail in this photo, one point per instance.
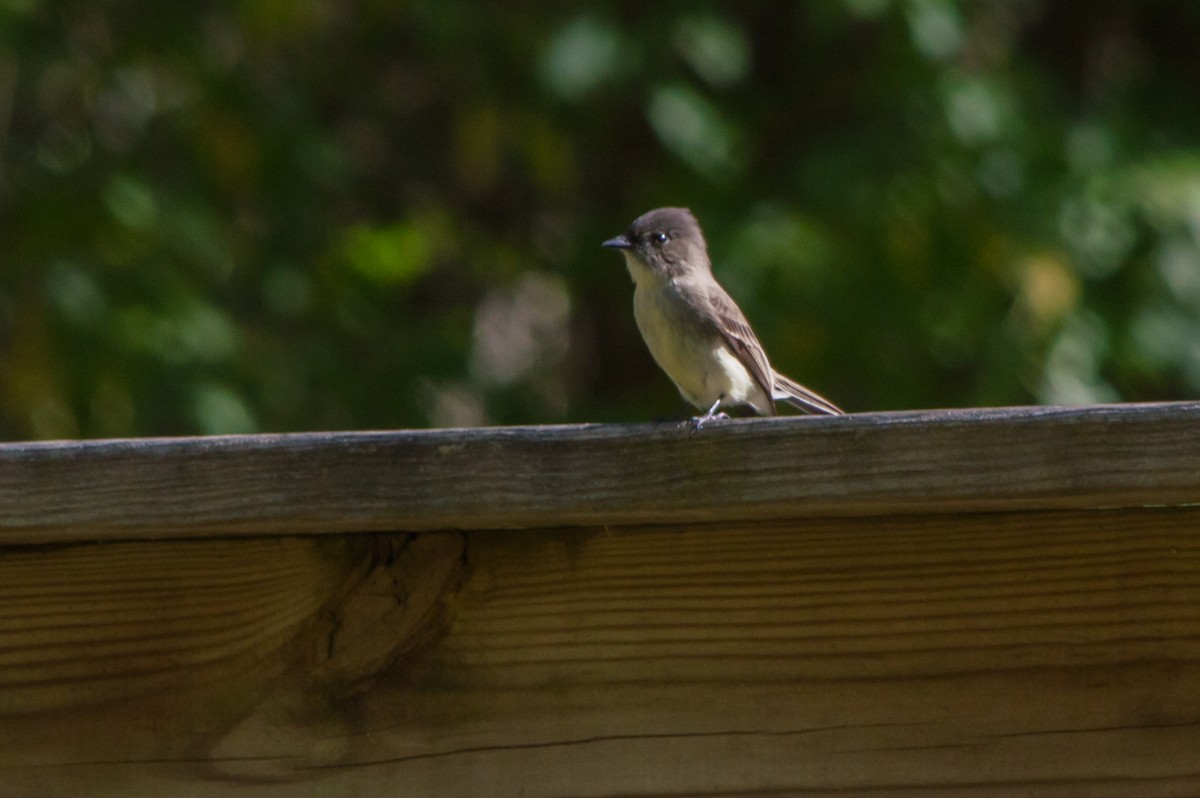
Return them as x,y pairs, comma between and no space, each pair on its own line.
984,602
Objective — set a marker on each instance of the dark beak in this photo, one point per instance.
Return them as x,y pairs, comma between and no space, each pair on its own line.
620,242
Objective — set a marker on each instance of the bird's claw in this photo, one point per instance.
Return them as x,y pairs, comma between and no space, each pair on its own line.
697,422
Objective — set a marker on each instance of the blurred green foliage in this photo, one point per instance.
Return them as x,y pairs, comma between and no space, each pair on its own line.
269,216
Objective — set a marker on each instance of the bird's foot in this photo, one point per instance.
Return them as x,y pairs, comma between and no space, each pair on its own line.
699,421
712,414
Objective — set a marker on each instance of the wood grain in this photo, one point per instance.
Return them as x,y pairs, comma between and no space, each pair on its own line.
759,469
116,657
86,625
1033,654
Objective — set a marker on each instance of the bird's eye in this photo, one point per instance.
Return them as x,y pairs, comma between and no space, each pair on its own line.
659,238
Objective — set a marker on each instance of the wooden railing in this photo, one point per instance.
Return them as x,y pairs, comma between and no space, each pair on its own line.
985,602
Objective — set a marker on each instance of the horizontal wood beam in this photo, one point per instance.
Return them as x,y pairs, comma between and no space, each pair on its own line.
982,460
1032,653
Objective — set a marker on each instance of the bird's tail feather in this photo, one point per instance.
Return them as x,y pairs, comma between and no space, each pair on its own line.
788,390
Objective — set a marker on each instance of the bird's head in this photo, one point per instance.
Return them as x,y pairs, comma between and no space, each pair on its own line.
662,243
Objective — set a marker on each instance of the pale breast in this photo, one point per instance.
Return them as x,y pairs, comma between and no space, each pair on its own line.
699,363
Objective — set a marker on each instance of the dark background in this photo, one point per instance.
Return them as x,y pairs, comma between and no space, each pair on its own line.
270,216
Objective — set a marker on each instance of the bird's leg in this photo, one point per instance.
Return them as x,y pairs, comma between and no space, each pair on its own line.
711,415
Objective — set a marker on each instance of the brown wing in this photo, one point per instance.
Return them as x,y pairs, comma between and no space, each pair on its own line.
736,332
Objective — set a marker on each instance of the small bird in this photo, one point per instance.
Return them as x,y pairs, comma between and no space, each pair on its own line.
695,331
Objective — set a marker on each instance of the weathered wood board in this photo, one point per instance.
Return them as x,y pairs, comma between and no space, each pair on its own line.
989,602
1039,653
775,468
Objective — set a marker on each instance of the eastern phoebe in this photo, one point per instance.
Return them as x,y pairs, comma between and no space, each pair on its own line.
694,330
